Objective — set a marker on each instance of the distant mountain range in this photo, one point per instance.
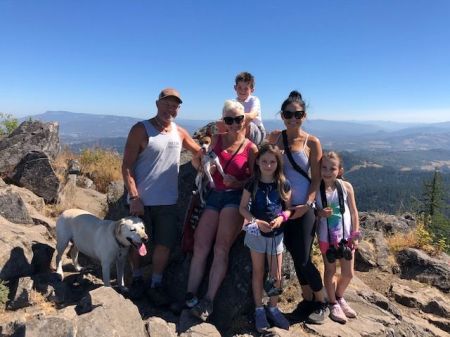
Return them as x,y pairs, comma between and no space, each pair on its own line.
386,162
83,130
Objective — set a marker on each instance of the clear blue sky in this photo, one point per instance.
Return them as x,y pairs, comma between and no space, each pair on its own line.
351,59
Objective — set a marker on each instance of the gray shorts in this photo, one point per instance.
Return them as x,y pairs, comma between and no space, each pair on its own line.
257,133
265,245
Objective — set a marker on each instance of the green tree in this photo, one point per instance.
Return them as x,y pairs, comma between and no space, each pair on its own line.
433,207
7,123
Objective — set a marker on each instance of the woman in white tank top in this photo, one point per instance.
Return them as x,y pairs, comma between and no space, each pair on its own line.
299,232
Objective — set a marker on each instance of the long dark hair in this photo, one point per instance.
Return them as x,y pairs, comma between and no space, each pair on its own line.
278,175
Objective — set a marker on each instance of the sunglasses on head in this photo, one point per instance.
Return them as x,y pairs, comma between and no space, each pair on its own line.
289,114
230,120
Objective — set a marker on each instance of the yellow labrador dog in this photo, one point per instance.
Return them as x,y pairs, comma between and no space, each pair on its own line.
104,240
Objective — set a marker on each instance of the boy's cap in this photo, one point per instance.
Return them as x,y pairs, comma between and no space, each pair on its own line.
170,92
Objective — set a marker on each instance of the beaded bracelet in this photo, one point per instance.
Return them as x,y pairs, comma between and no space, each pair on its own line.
284,216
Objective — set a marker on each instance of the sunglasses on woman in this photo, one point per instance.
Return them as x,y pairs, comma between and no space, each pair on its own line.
289,114
230,120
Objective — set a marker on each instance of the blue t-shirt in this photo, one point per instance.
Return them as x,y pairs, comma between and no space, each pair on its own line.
267,203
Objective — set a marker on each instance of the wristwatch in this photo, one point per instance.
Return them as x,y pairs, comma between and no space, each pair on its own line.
311,204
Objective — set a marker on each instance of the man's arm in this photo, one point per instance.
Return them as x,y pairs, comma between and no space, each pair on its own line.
191,145
188,143
133,147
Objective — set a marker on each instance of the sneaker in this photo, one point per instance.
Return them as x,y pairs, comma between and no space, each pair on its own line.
318,315
202,309
261,323
277,318
348,311
337,314
137,288
191,300
302,311
158,296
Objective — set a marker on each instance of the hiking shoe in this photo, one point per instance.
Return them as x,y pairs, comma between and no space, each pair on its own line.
277,318
348,311
202,309
318,315
337,314
302,311
191,300
137,288
261,323
158,296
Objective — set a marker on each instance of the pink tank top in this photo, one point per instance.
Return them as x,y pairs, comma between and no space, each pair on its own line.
238,167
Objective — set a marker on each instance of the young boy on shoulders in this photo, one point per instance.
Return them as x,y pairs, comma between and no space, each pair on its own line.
245,86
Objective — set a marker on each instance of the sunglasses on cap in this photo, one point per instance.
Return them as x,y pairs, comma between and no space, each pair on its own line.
289,114
230,120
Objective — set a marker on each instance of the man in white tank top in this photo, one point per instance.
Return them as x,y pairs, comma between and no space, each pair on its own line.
150,172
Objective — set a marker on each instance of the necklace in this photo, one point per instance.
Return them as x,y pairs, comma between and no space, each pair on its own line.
160,125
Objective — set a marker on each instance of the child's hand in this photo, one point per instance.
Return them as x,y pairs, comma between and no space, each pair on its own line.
354,243
276,223
326,212
264,226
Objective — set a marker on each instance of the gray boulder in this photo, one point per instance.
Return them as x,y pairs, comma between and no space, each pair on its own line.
27,196
52,326
365,257
416,264
35,173
29,136
24,250
20,293
386,223
13,208
429,300
112,315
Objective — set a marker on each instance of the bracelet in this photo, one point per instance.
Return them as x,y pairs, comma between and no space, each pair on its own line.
284,216
134,197
356,235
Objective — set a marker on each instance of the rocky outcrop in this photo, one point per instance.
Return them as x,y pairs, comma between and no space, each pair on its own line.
72,196
386,223
29,136
24,250
35,173
416,264
13,208
429,300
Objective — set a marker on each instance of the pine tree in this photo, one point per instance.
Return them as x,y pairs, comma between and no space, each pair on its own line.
433,206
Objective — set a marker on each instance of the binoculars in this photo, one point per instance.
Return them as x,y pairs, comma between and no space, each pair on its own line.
341,251
270,288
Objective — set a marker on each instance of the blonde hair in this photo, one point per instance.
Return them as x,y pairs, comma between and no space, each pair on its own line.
232,105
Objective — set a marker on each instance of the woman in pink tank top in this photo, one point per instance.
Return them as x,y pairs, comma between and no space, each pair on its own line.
221,221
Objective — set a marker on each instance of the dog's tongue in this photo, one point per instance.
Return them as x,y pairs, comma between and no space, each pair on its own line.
142,250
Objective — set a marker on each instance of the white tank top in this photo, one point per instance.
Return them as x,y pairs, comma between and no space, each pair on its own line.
156,169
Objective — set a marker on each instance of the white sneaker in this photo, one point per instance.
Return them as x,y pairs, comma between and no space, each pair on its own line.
337,314
348,311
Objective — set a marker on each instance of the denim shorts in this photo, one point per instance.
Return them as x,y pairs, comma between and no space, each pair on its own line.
217,200
265,245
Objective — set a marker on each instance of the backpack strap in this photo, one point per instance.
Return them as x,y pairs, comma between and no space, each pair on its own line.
291,159
323,196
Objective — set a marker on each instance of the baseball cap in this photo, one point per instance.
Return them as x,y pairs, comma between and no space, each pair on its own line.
170,92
